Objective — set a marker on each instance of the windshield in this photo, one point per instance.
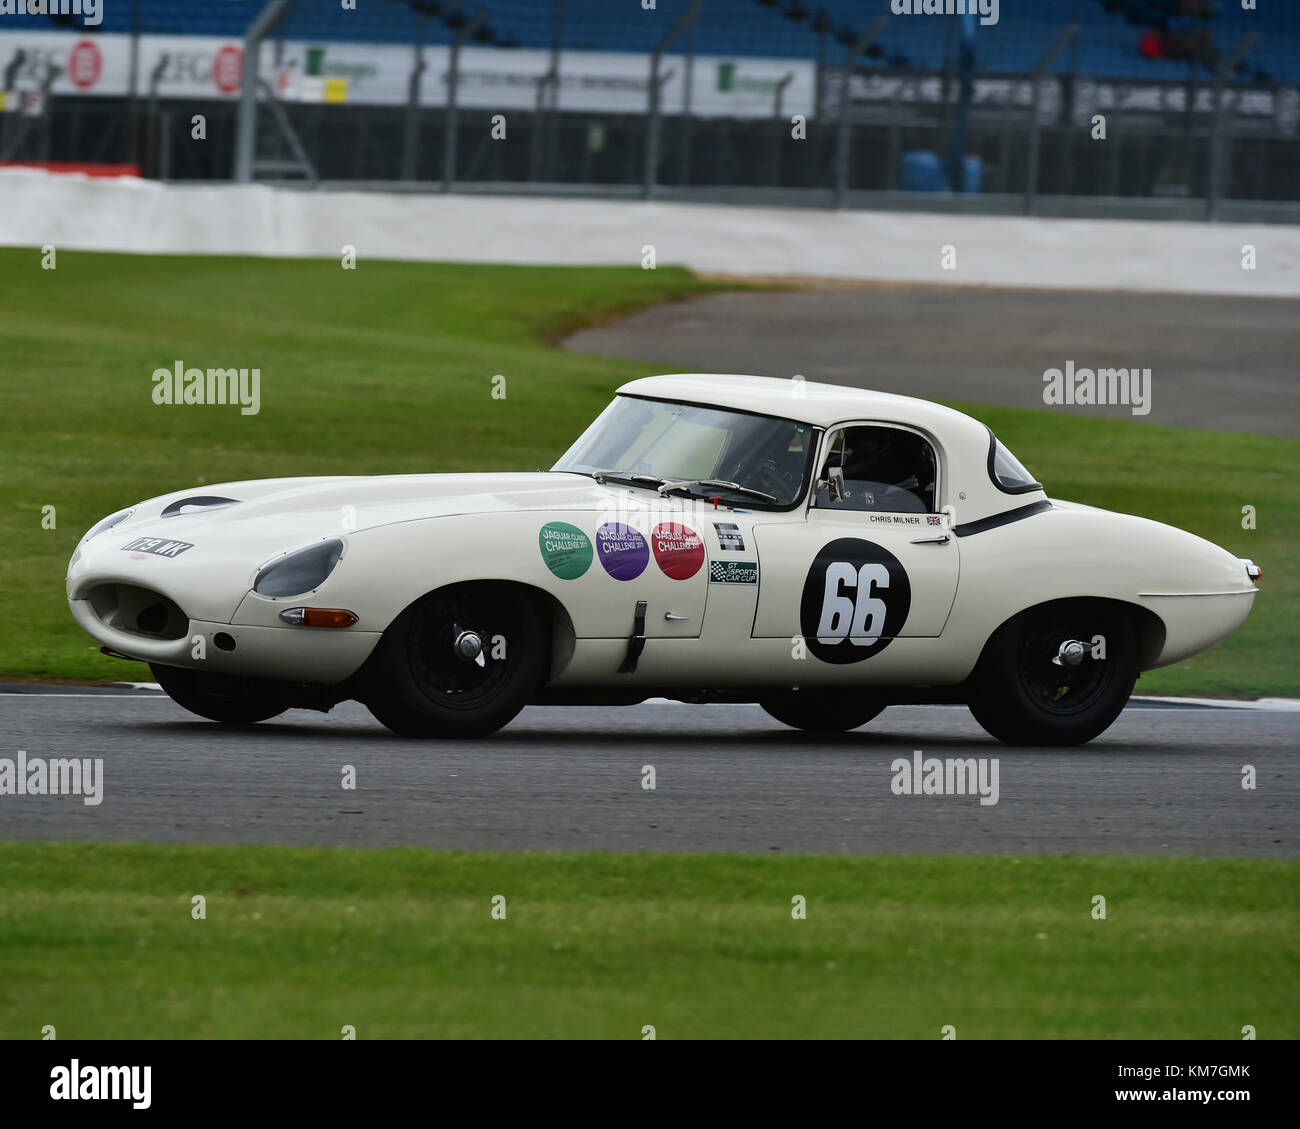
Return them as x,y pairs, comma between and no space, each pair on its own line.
651,443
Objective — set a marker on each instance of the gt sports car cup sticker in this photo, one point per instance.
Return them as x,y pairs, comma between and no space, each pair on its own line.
855,600
729,536
678,549
622,550
565,549
733,572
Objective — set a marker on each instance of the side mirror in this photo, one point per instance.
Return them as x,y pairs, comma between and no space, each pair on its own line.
834,483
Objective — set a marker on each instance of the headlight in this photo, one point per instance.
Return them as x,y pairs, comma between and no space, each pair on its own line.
300,571
108,523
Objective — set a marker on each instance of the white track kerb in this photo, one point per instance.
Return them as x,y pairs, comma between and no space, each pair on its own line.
131,215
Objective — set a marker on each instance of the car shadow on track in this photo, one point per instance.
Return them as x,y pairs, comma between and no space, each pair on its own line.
706,737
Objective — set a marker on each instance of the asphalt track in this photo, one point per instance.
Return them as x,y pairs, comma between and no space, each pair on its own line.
1162,781
1216,362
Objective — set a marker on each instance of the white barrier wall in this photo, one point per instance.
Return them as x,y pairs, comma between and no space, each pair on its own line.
76,212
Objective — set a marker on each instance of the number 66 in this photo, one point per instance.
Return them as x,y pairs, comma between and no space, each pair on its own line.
843,617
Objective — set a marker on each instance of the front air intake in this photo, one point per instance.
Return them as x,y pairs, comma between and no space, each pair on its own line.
138,611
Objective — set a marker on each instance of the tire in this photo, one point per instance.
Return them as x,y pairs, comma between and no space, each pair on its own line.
821,711
1022,698
419,686
221,697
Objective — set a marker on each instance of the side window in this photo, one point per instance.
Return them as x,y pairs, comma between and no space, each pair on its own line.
1007,472
885,469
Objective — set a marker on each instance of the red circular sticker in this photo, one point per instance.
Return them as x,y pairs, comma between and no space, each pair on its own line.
85,64
678,549
228,69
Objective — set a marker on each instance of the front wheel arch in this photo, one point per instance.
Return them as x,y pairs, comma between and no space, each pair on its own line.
560,631
416,685
1150,627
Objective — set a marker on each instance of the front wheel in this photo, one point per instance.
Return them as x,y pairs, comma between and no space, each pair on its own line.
461,662
821,711
1056,675
222,697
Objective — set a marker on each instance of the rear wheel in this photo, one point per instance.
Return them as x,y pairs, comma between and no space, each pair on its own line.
461,662
821,711
1045,678
222,697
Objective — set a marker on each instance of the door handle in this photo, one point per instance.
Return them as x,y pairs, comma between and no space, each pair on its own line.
941,539
675,616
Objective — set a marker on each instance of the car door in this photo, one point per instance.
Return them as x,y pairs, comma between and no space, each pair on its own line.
620,559
873,563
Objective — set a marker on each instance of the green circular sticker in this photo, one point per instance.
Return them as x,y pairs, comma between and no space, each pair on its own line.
565,549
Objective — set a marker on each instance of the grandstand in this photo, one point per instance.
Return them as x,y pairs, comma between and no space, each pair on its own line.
344,95
1115,39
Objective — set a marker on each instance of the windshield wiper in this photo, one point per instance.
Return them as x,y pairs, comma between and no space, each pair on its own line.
716,483
624,476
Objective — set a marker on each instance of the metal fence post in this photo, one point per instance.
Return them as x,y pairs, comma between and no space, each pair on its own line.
545,110
161,141
411,132
449,139
246,130
778,124
553,110
1031,176
654,119
1214,190
851,57
688,103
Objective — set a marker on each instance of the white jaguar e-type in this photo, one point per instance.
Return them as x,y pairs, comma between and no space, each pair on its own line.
823,551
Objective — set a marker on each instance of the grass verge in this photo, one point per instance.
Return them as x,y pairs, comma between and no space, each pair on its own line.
389,369
100,942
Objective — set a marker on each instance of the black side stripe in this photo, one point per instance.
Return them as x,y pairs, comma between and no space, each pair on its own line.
1004,518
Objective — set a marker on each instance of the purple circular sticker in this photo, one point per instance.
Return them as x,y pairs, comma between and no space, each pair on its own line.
622,550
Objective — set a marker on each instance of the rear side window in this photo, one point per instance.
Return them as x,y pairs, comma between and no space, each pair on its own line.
1006,470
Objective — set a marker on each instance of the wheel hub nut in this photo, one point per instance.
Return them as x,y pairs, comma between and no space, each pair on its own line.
469,646
1070,653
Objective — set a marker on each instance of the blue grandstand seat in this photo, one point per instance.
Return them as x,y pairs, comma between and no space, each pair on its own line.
1106,47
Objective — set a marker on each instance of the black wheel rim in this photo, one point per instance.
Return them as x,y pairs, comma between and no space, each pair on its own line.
447,678
1060,690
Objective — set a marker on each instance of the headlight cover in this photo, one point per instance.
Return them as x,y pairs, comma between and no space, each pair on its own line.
300,571
108,523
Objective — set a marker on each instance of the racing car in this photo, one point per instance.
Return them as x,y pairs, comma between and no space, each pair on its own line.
823,551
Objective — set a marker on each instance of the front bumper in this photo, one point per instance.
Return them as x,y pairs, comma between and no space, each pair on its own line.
292,654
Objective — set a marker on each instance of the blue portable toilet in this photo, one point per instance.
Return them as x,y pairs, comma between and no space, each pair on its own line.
923,171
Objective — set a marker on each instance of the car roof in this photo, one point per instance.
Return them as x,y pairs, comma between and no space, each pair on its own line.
963,442
807,402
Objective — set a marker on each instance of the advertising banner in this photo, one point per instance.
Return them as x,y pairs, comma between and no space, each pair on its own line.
188,66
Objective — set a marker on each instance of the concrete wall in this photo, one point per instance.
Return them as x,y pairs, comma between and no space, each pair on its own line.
77,212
